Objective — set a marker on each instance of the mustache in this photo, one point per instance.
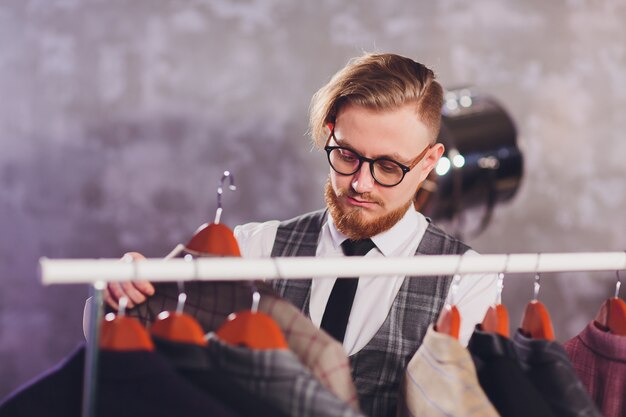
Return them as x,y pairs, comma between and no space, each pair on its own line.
359,196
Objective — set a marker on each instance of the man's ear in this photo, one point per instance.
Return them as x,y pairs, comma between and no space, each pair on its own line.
430,161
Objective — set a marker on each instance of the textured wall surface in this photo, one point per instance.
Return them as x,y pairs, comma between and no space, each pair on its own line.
118,117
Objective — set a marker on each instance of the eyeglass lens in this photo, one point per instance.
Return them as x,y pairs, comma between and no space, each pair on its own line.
347,162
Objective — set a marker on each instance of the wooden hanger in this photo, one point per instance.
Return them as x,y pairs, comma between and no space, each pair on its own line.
536,322
121,333
178,326
252,329
215,239
496,318
449,321
612,315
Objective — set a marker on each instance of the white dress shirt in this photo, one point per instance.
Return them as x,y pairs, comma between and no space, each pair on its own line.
374,295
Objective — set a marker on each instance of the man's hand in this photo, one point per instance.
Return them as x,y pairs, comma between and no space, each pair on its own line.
135,291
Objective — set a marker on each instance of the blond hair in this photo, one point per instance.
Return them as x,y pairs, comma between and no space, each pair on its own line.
378,82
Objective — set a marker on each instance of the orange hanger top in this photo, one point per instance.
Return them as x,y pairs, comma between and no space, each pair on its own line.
536,322
449,321
252,329
121,333
496,320
178,326
612,314
215,239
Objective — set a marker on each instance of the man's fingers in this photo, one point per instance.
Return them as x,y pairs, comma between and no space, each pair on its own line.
135,256
108,298
145,287
134,295
117,292
135,291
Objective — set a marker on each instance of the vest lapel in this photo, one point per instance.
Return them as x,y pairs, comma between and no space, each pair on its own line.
297,237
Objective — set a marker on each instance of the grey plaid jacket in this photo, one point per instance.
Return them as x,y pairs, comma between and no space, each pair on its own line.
278,377
377,368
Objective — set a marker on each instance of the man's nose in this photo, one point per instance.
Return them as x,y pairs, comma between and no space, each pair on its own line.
362,181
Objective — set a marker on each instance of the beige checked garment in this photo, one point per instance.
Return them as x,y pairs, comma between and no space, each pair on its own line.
318,351
440,380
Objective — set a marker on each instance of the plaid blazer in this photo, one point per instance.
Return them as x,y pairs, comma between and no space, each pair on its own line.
317,350
377,368
279,378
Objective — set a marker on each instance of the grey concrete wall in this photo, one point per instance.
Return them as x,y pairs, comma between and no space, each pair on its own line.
118,117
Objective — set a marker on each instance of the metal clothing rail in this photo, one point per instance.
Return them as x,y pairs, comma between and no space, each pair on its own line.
66,271
97,271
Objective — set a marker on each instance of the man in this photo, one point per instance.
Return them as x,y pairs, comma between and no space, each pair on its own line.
377,120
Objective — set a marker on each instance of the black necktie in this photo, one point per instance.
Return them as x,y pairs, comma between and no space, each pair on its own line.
337,312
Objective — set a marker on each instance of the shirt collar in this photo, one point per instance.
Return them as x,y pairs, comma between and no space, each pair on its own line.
388,242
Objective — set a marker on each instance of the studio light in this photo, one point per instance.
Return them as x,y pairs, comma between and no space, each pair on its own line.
482,165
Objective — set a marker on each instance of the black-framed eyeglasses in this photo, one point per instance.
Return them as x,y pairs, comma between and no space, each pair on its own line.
385,171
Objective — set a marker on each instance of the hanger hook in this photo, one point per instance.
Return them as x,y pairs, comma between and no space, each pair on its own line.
618,284
456,280
182,295
256,298
220,190
537,284
123,303
500,285
132,261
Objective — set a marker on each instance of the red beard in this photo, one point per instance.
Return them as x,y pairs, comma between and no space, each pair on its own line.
351,223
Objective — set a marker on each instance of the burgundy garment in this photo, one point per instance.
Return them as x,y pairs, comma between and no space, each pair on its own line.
599,359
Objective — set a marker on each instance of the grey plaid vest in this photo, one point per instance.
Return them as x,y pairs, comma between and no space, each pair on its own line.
377,368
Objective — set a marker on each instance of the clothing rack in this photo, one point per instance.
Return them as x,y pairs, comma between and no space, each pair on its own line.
75,271
99,271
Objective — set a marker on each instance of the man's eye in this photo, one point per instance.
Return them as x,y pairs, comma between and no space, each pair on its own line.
387,167
347,155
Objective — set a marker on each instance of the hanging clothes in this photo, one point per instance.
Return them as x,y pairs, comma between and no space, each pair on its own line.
599,359
210,303
547,366
441,380
194,364
316,349
130,384
502,378
279,378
